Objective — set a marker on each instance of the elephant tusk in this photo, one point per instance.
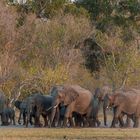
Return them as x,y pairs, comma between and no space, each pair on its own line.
52,107
55,106
49,108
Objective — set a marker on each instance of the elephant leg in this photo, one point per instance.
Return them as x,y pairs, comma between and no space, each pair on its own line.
85,122
59,124
98,122
68,115
120,118
93,123
133,118
49,119
113,121
45,121
37,117
24,118
90,122
30,120
77,119
10,118
128,121
105,116
116,112
53,124
65,122
19,118
136,123
71,122
37,122
13,120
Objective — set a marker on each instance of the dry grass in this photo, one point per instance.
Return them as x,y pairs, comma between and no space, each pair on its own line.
68,134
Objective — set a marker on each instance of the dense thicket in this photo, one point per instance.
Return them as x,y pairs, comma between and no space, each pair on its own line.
89,42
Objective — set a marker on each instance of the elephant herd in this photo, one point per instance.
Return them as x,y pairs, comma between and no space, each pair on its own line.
74,106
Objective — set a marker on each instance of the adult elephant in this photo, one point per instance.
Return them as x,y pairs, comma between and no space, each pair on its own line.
100,97
76,98
41,105
126,102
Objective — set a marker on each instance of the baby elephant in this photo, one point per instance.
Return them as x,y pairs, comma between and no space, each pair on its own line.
8,116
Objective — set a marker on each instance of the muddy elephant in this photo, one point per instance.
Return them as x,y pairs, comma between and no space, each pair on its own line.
76,98
126,102
41,105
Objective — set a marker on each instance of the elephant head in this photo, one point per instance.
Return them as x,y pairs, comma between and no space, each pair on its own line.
110,100
115,99
62,95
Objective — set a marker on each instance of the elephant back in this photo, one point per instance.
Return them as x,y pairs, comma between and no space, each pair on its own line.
46,101
80,90
104,91
84,95
23,105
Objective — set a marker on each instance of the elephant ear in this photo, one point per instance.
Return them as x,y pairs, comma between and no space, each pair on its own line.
70,95
111,98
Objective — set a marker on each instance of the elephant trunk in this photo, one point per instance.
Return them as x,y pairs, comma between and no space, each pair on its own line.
28,110
104,112
52,116
106,105
54,110
27,118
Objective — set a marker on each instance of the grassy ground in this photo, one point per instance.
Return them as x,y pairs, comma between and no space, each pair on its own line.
68,134
19,133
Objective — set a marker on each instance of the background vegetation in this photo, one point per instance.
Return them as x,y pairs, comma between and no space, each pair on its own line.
88,42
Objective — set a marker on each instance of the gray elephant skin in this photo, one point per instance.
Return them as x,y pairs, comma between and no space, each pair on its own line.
22,107
42,105
8,116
